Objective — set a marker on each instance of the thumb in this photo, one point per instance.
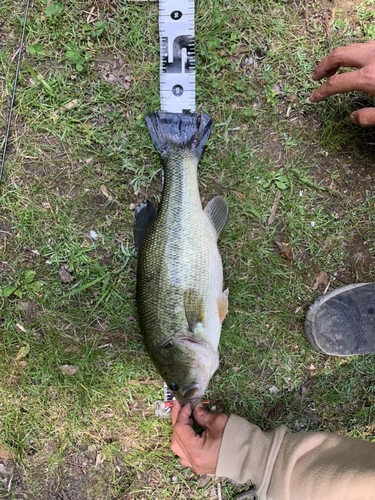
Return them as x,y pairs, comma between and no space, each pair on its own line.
364,117
183,415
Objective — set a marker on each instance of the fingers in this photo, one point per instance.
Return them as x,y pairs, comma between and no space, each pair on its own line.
175,411
181,417
364,117
181,414
345,82
362,80
356,55
183,432
213,423
203,417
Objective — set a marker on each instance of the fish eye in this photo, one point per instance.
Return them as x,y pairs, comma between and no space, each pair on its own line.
173,387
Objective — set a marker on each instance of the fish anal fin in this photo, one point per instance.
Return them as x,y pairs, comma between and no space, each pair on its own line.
217,211
222,305
194,308
145,213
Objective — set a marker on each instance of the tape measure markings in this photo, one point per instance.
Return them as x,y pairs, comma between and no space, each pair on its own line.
177,56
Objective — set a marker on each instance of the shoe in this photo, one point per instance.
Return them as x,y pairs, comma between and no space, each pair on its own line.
342,322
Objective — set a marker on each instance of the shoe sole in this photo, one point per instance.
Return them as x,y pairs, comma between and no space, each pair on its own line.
311,313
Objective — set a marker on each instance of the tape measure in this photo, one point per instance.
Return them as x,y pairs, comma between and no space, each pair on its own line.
177,56
163,408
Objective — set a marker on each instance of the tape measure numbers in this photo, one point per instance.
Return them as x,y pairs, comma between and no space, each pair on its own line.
177,56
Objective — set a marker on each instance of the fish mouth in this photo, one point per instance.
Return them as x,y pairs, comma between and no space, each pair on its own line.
192,393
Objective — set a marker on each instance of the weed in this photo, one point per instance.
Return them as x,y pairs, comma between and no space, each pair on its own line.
25,284
278,178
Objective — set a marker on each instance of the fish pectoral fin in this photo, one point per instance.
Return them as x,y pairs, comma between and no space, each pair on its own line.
222,305
217,211
194,308
145,213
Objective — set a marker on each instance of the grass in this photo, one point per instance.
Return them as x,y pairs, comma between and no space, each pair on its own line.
80,158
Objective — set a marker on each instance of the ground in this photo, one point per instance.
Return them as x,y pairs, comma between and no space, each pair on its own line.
77,389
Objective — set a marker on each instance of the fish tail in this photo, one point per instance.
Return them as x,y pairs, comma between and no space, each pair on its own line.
182,130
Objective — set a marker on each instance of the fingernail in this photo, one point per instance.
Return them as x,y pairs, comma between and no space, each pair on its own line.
353,118
310,100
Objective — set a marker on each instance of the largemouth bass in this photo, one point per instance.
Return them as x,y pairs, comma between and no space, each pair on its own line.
180,297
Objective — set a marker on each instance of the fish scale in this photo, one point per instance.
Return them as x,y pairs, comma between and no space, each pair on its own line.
178,256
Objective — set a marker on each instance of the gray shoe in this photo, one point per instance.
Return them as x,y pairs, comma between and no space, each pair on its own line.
342,322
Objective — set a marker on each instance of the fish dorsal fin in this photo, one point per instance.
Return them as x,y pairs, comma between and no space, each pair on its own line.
145,213
222,305
217,211
194,308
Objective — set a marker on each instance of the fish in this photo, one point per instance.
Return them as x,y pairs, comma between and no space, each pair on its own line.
180,298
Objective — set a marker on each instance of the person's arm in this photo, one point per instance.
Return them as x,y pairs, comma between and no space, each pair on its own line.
356,55
282,465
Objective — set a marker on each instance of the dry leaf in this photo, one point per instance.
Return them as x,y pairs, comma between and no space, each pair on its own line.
4,454
24,351
68,369
271,218
69,105
104,191
99,460
285,251
240,196
65,274
320,279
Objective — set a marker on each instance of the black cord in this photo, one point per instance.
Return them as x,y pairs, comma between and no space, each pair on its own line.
5,143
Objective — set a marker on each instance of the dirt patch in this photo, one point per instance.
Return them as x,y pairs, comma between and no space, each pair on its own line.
114,70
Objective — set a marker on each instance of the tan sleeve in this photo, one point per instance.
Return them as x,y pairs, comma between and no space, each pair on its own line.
295,466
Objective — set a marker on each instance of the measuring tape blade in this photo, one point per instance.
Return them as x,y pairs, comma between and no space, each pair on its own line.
177,56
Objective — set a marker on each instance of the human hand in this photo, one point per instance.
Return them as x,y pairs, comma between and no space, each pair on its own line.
198,451
356,55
